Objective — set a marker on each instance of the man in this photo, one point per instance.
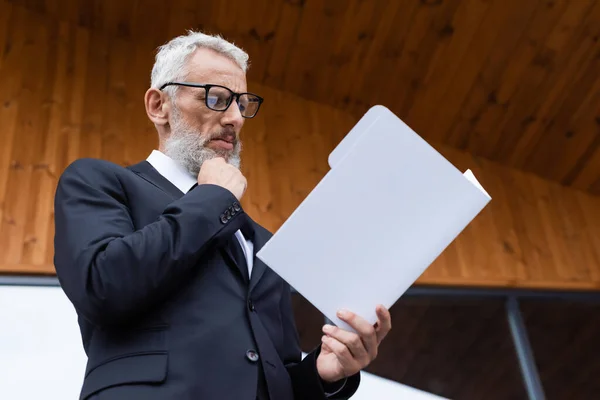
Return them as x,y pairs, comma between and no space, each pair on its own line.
158,258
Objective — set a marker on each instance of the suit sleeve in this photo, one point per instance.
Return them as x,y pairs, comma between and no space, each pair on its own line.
112,272
306,382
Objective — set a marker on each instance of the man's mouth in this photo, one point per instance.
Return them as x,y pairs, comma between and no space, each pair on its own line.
224,143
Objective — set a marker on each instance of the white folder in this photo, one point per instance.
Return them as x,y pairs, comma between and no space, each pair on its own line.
387,208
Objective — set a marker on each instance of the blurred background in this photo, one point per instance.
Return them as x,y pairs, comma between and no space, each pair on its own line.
507,88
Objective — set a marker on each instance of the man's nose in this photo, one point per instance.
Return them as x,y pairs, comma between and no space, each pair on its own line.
233,116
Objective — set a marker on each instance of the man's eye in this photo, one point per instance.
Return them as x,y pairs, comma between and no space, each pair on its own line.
212,101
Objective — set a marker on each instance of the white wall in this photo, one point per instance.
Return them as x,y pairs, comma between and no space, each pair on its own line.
41,356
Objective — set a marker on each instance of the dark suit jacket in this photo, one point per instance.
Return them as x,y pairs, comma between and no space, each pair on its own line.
164,310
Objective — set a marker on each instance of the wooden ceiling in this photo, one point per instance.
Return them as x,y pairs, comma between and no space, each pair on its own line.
510,80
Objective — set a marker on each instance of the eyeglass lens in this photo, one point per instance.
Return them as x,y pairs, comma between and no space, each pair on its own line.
219,98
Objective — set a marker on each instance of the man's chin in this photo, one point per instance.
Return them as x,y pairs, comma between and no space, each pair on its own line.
220,152
230,157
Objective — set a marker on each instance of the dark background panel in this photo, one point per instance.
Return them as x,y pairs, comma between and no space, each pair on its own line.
565,339
456,348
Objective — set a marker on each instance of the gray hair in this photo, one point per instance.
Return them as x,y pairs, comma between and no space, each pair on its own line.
171,58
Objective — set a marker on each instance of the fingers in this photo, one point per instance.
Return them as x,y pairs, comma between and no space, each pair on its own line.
356,350
349,339
384,323
365,330
342,353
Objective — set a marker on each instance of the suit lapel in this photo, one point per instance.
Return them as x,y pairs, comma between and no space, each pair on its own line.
147,172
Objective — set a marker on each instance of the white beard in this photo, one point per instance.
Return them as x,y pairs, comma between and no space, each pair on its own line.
187,146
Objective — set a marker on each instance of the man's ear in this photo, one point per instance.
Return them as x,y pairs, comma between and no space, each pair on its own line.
157,107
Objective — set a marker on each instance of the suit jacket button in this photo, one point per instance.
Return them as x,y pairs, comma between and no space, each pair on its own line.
251,306
236,206
252,355
224,219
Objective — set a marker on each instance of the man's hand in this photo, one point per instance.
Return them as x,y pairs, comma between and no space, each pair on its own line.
345,353
217,171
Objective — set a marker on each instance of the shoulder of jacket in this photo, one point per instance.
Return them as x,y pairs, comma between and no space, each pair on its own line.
93,171
93,166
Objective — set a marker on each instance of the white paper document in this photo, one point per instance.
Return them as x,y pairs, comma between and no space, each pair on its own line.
384,212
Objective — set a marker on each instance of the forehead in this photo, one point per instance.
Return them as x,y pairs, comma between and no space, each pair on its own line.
208,66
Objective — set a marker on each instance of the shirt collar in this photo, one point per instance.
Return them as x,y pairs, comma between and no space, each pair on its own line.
171,170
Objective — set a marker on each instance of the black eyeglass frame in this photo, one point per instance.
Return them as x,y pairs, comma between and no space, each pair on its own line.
207,86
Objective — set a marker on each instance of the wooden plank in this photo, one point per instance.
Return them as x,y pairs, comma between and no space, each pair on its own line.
496,227
584,256
448,105
536,125
73,120
349,50
27,269
589,219
5,15
65,124
456,38
558,51
96,82
426,54
388,54
559,285
318,18
117,17
51,87
35,134
557,147
184,16
482,105
66,11
419,46
589,175
287,24
369,64
27,144
150,21
115,100
555,234
579,131
528,242
138,133
11,75
258,21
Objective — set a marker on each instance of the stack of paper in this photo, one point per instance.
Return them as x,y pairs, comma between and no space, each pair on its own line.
384,212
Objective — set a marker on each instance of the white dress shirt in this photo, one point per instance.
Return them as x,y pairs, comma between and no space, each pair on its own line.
184,181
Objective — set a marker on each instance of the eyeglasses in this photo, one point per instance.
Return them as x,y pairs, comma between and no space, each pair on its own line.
219,98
